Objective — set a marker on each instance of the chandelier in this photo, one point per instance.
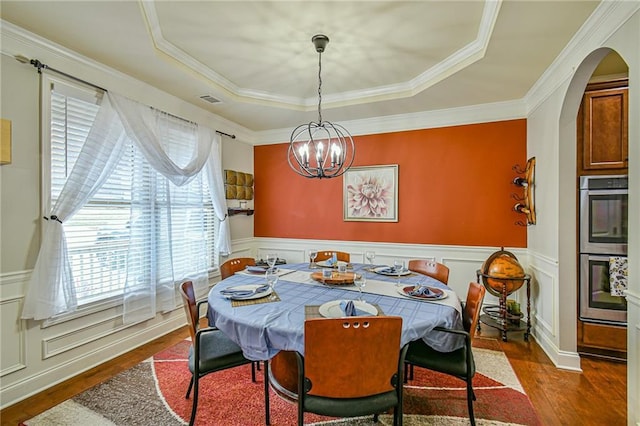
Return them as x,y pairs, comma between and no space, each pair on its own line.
320,149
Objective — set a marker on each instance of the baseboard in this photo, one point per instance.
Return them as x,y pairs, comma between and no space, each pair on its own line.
561,359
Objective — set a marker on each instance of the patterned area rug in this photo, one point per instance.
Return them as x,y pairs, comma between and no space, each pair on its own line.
152,393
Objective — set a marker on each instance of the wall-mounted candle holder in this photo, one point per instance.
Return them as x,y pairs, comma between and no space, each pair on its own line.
526,203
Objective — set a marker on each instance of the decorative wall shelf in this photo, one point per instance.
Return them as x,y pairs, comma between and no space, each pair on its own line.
526,203
233,212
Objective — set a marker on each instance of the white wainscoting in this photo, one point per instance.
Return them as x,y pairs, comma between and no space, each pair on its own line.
13,343
633,352
13,353
36,357
546,307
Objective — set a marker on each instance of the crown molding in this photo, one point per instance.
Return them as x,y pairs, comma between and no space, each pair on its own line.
484,113
470,53
605,20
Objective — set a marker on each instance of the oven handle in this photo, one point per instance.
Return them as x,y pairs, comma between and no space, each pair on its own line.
605,191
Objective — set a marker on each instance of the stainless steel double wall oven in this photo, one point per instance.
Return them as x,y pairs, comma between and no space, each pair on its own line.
603,236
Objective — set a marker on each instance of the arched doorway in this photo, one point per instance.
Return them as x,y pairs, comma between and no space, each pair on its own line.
567,247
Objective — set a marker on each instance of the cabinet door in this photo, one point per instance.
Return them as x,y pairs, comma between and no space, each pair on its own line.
605,144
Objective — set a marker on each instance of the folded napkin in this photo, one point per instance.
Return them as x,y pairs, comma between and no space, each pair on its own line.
244,292
389,270
330,261
349,309
258,269
422,291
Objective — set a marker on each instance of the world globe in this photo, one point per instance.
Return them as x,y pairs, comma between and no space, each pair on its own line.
502,272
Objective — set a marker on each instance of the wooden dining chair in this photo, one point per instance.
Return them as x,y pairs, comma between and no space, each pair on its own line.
430,268
232,266
327,254
229,268
458,363
351,367
210,350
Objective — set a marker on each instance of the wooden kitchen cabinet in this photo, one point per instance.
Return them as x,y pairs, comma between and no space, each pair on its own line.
602,340
603,129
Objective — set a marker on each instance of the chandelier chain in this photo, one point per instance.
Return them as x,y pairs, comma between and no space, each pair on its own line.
319,87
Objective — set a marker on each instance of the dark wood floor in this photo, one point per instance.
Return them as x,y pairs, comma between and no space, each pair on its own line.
597,396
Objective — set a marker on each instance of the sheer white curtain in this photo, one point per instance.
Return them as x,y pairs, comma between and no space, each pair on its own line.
51,290
147,127
216,188
153,133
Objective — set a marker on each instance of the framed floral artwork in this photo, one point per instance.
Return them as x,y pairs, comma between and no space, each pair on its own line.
371,194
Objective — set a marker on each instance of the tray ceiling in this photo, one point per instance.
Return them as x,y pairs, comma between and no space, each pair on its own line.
257,59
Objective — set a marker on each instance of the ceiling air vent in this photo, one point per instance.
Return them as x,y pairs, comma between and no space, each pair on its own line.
210,99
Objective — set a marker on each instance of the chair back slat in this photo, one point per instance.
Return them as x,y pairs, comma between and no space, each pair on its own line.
326,254
190,307
232,266
472,307
430,268
351,357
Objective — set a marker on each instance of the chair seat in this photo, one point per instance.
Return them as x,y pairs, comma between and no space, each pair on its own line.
217,352
453,363
351,367
351,407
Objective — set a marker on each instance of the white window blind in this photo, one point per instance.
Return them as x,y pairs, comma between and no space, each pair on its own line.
172,228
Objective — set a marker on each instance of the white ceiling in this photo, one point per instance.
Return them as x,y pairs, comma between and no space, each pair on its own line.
384,57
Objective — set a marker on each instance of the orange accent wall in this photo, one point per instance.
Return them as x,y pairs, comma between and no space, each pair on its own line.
454,188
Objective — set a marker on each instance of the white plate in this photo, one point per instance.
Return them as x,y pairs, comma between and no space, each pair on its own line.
332,309
280,272
404,290
382,271
249,287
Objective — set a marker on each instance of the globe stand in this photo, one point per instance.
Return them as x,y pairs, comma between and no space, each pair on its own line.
497,316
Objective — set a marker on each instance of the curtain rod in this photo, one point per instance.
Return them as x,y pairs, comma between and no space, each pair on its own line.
40,66
226,134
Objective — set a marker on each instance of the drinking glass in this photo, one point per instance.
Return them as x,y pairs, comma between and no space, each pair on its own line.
272,278
398,266
360,281
312,255
370,255
271,259
326,273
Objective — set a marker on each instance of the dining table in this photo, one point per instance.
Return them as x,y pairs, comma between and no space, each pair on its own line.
270,326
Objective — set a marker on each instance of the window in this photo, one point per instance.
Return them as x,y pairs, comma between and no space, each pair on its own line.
138,226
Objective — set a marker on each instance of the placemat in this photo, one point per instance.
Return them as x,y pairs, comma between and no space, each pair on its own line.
273,297
313,311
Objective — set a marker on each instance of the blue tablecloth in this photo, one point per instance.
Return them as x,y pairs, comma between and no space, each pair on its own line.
262,330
